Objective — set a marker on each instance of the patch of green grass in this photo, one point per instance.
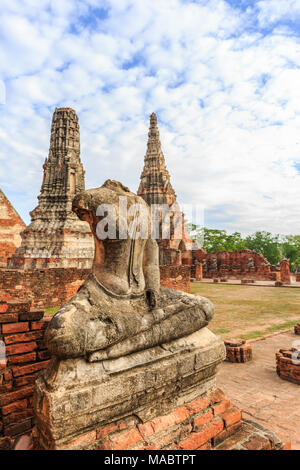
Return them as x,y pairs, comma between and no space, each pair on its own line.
270,329
51,311
250,311
219,331
253,334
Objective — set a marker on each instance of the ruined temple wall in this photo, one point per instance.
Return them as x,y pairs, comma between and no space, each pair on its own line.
44,287
11,225
176,277
48,288
239,264
22,358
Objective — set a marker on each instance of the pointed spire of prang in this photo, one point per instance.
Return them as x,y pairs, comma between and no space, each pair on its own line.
155,186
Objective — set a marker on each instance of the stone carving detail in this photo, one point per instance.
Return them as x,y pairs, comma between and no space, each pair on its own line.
56,237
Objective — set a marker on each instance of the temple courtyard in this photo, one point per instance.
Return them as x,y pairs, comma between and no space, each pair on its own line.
260,394
249,312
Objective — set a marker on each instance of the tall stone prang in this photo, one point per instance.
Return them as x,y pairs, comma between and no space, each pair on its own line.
56,238
156,188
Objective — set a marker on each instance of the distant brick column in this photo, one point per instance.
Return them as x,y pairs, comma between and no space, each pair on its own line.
22,356
285,275
297,329
238,351
288,365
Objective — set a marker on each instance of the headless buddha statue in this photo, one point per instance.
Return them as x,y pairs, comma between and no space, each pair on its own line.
121,308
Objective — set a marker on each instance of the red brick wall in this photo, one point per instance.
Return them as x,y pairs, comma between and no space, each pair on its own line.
198,425
11,225
44,287
236,265
54,287
176,277
23,355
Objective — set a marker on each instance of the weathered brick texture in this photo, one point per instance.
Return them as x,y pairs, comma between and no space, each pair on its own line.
207,423
238,351
239,264
22,356
288,365
176,277
11,225
297,329
44,287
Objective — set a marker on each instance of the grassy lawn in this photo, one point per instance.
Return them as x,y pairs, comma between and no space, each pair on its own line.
250,312
51,311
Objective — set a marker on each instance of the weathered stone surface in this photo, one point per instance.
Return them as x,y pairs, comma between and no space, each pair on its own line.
11,225
122,301
146,384
56,238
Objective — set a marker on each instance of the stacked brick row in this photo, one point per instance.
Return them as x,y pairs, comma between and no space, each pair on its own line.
238,351
176,277
200,424
297,329
22,356
297,277
45,287
288,365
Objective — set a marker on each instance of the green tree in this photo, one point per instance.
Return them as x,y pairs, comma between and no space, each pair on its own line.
266,244
290,249
217,240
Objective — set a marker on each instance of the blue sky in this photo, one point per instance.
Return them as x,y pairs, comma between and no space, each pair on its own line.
223,77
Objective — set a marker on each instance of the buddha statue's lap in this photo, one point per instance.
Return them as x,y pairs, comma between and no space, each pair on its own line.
104,320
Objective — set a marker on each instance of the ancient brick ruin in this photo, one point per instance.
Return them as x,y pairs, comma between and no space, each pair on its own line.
45,288
238,351
288,365
239,264
56,238
285,275
297,329
22,356
11,225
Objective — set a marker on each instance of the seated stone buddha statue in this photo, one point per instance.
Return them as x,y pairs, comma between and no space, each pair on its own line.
121,308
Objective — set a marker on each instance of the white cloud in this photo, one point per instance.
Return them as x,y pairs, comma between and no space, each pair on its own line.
226,94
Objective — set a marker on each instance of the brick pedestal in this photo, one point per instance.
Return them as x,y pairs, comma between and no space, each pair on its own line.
22,356
238,351
208,423
297,329
288,365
